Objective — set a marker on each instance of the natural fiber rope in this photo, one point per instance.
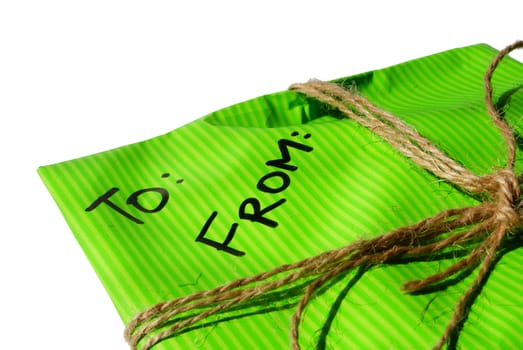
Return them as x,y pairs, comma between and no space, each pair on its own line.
485,225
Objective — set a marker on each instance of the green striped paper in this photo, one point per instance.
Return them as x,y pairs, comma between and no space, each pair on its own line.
286,179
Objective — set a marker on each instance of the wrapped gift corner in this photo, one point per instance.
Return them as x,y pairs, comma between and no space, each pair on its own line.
279,178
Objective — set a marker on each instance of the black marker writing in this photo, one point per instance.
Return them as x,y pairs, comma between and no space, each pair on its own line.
220,246
251,209
134,201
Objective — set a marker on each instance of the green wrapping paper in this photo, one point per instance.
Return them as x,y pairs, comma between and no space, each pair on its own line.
279,178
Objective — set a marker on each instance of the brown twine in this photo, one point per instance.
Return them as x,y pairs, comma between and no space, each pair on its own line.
484,225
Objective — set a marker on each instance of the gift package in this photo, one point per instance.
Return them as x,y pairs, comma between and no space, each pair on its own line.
266,185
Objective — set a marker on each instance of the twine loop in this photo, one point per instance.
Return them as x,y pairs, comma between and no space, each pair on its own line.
481,228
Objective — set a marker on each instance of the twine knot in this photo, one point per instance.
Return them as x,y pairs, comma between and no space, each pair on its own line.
507,198
481,228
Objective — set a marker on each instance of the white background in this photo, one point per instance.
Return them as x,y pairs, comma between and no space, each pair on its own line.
79,77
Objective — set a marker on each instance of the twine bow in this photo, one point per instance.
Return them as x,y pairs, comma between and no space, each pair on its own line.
484,226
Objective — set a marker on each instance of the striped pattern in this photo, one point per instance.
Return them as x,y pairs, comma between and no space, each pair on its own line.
351,185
